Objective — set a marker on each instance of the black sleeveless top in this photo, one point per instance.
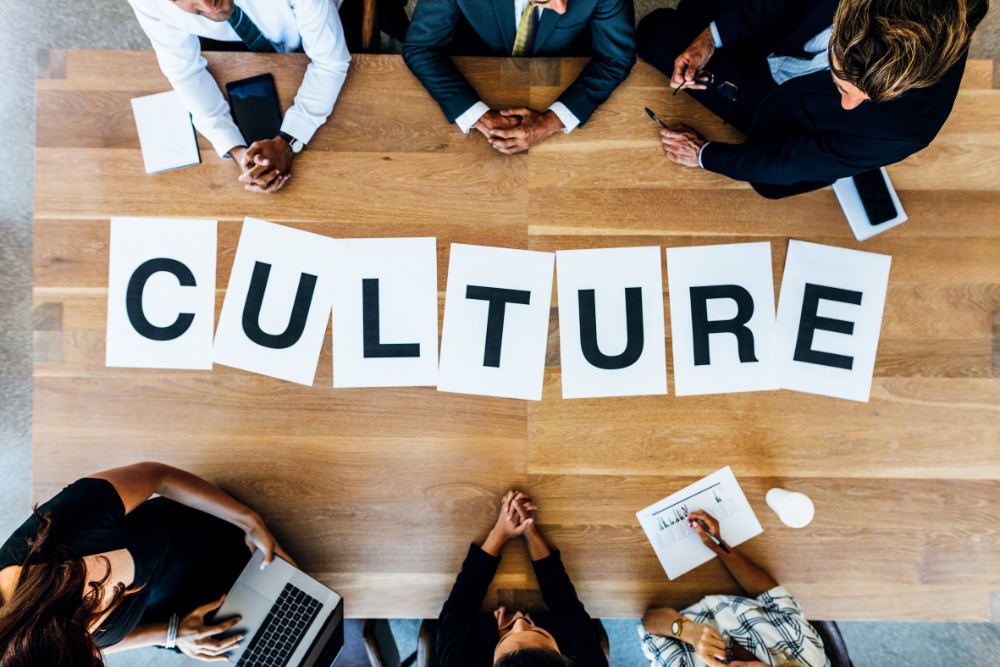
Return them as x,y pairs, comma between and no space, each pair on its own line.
177,550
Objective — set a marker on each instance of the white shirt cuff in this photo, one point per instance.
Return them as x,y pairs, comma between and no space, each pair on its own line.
223,140
715,34
471,116
568,118
700,151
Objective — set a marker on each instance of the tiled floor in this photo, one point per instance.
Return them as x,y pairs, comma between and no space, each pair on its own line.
26,27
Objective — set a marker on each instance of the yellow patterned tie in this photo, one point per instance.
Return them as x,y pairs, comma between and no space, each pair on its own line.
525,31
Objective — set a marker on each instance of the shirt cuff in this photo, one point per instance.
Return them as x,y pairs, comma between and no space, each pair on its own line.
223,140
715,34
471,115
568,118
700,151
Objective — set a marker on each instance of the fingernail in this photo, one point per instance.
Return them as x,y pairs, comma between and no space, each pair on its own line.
263,564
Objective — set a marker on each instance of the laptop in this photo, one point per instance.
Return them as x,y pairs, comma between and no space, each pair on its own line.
288,618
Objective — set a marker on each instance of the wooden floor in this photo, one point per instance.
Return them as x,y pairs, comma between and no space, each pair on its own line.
378,491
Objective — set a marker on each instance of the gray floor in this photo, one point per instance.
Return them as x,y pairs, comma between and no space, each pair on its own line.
26,27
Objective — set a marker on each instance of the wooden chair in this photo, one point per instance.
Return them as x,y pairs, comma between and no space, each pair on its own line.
833,643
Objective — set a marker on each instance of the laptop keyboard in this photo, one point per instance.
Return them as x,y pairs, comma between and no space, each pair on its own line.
280,633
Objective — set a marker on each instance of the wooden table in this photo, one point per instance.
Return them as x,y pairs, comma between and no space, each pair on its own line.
378,491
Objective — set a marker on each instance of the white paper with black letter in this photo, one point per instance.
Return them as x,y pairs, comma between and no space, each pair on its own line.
496,321
829,319
161,293
611,330
721,318
385,321
676,544
278,302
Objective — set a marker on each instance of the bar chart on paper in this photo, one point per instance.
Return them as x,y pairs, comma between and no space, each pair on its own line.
676,544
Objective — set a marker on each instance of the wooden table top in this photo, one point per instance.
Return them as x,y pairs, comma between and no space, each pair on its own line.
378,491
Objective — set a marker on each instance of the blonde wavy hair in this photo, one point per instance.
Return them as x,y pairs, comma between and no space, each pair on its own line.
887,47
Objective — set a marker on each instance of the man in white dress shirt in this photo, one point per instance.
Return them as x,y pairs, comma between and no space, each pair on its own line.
313,26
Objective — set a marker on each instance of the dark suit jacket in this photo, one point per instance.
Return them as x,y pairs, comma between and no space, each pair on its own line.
603,29
800,135
466,637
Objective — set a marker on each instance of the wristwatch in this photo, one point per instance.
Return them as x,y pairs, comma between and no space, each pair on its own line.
679,625
293,143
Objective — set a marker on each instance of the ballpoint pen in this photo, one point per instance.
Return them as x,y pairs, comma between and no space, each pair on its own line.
653,116
704,527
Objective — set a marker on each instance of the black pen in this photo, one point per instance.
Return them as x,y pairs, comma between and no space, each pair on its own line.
714,539
653,116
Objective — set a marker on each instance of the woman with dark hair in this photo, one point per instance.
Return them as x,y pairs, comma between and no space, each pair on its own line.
101,565
562,636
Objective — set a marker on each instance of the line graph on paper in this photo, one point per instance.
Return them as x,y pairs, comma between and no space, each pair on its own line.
671,521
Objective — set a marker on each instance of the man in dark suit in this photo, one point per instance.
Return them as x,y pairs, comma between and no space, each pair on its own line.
823,89
602,29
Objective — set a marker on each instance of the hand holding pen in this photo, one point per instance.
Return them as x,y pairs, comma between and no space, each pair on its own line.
708,530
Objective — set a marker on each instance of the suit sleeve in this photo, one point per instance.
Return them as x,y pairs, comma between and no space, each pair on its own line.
612,30
557,590
803,156
759,18
464,603
431,31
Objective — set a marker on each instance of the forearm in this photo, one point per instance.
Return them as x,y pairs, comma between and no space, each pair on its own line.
536,545
149,634
751,577
193,491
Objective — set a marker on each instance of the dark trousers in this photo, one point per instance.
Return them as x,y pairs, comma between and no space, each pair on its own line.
665,33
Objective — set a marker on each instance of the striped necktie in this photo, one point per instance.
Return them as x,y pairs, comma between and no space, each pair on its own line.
525,31
249,32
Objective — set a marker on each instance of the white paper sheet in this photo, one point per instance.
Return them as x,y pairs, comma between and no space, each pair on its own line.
676,544
294,258
854,210
403,274
608,276
724,277
470,363
838,276
166,134
187,247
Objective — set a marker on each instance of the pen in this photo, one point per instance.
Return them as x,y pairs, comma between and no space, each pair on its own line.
714,539
653,116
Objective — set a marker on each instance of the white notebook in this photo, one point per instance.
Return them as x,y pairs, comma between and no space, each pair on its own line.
166,134
676,544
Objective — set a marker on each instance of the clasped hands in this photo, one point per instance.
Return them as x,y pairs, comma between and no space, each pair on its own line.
266,166
515,130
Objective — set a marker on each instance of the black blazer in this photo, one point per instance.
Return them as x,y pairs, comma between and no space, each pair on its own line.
466,637
603,29
800,135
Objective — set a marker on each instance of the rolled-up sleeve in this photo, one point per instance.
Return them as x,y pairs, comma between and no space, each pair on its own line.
323,41
180,59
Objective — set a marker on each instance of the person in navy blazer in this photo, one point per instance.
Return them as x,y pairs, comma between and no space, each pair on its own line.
822,89
602,29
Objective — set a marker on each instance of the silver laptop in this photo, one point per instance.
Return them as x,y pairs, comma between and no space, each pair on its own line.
288,618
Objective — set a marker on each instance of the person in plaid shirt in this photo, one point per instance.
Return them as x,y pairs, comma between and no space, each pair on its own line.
766,628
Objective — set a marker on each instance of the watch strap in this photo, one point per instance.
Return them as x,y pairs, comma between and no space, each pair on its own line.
293,143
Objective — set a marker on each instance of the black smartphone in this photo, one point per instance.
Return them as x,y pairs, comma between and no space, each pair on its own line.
875,196
255,106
